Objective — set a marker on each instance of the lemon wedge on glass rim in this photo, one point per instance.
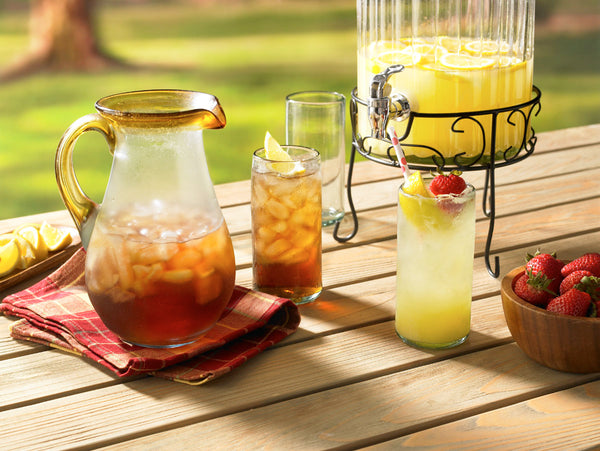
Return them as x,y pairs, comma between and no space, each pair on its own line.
282,162
415,185
420,207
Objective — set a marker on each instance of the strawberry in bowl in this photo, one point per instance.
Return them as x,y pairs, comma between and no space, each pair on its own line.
558,327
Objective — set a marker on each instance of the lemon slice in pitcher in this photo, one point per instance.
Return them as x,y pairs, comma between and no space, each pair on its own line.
284,163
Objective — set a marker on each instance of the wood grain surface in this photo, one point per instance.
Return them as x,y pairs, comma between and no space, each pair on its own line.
344,380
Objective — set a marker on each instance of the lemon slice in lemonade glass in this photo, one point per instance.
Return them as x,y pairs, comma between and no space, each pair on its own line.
284,165
420,206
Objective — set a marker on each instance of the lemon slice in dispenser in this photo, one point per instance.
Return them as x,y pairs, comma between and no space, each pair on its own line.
465,62
406,57
487,47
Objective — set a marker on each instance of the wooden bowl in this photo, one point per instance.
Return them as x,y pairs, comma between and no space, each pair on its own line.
561,342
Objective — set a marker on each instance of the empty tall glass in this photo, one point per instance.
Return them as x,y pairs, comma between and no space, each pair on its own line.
317,119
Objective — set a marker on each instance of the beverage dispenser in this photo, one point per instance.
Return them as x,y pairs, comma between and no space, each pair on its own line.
453,79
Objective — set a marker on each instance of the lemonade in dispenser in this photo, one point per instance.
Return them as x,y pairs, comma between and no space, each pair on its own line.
445,59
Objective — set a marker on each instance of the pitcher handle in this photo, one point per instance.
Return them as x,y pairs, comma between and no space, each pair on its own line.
83,210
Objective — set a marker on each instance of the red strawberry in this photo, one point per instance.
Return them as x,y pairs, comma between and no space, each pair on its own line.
590,262
589,285
532,290
549,266
573,303
452,183
572,279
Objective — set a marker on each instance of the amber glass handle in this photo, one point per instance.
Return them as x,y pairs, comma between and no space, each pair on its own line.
82,208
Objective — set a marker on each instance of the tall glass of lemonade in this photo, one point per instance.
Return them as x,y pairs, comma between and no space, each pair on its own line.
436,236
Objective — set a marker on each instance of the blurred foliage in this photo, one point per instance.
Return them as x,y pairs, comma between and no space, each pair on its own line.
250,54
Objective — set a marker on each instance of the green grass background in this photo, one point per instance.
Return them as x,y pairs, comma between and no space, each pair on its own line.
250,54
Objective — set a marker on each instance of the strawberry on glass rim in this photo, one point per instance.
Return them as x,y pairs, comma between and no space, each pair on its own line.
451,183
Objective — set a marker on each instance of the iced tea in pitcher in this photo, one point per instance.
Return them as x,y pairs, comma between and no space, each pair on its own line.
286,223
160,282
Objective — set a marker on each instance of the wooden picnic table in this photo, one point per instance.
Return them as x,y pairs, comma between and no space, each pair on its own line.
344,380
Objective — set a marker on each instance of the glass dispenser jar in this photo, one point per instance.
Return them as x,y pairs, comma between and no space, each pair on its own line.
453,61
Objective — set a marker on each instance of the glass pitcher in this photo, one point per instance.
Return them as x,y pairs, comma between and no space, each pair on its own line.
446,59
160,266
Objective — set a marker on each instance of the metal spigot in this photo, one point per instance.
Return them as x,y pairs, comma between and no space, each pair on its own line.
383,106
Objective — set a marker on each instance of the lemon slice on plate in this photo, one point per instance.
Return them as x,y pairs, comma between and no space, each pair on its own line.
10,256
465,62
282,162
27,254
55,239
32,235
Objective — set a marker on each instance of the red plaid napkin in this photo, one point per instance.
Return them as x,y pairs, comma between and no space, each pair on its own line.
57,312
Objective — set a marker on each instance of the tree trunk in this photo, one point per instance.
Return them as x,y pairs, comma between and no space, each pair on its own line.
62,38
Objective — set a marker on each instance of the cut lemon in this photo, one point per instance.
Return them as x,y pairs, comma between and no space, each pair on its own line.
421,208
26,252
33,224
32,235
465,62
284,163
415,185
55,239
405,57
486,47
450,44
10,257
509,61
384,46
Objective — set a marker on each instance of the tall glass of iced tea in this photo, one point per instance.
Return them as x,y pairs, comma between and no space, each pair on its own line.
286,223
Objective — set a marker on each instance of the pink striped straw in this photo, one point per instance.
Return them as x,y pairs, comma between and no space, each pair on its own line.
399,153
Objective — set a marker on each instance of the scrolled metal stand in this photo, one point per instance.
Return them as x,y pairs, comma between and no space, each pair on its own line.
458,161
